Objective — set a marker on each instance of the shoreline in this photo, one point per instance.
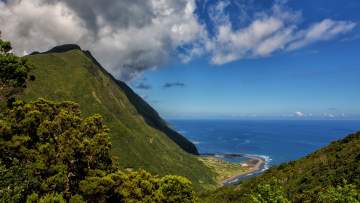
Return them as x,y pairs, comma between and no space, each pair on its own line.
253,167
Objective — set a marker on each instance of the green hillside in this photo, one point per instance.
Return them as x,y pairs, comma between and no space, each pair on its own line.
307,179
140,138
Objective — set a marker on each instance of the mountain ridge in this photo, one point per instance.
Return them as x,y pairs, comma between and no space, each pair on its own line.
151,116
141,139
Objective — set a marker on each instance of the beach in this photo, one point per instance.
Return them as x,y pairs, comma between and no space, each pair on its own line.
231,172
255,164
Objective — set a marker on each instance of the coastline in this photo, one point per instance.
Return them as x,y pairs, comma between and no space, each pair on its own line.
257,167
254,165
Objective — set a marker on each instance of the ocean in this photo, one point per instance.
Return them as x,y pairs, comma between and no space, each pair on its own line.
277,141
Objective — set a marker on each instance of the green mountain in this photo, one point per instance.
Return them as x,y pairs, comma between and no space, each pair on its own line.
140,137
329,170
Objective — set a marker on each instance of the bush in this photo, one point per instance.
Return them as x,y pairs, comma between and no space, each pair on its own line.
13,72
269,193
51,154
340,194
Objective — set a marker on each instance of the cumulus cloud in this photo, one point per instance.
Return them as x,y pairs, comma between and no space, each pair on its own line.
127,36
130,36
173,84
33,26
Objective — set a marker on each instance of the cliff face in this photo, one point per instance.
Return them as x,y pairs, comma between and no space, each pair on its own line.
140,137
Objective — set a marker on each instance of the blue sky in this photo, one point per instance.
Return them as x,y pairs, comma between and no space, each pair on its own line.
317,81
240,59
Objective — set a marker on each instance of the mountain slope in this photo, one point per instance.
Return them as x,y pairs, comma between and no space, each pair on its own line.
140,138
303,180
151,117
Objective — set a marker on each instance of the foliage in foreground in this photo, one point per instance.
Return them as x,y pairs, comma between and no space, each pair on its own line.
50,153
268,193
13,74
340,194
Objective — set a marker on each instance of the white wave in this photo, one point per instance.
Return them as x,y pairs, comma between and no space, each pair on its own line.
219,156
233,181
267,162
266,166
265,157
182,131
195,142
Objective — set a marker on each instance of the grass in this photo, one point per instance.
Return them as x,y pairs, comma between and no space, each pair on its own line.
223,169
74,76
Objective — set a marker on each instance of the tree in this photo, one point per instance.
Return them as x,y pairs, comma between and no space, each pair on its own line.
176,189
340,194
269,193
14,72
49,153
54,144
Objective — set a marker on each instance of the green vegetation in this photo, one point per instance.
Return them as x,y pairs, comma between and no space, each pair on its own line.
331,174
268,193
50,154
341,194
140,138
223,169
13,74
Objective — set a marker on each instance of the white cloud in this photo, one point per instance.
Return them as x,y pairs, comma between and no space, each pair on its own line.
126,44
324,30
299,114
32,26
329,115
268,33
130,36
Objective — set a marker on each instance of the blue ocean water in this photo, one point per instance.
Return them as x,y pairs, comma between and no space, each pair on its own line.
278,140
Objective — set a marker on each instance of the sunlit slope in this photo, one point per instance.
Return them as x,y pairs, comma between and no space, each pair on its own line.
140,138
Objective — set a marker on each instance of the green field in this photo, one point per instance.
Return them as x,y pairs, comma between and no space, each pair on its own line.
223,169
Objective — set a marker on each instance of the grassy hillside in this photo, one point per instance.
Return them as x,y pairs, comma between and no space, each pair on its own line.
303,180
140,138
